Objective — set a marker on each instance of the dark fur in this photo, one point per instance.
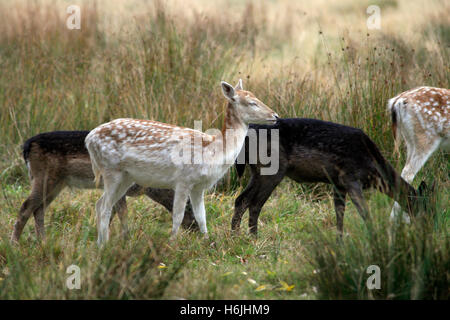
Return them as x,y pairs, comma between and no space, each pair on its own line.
394,123
319,151
57,142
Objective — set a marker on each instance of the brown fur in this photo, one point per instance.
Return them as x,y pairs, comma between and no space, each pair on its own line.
51,172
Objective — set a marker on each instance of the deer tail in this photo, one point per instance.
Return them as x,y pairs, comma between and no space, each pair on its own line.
393,106
91,147
26,149
97,173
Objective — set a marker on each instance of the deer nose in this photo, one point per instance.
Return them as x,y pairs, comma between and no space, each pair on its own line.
276,116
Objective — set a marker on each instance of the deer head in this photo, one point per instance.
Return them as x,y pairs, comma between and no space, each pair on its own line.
249,108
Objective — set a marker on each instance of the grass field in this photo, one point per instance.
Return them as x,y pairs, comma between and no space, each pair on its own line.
164,61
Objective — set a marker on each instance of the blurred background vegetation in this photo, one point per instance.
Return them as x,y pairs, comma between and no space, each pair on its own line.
164,60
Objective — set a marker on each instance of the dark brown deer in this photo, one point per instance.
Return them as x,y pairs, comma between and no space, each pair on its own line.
59,159
318,151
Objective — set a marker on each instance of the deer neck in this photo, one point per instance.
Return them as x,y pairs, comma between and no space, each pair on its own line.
401,191
406,196
233,134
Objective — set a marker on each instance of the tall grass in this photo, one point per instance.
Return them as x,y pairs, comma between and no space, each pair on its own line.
116,272
166,65
413,260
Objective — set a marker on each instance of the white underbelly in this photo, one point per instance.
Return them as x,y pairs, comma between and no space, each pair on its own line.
160,170
168,176
162,178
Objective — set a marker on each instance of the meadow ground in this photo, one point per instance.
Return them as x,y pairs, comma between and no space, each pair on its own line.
164,61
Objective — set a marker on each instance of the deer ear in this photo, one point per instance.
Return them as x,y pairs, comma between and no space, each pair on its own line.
228,90
239,85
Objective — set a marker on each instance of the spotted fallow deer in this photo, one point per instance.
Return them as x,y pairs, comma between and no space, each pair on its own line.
154,154
59,159
422,117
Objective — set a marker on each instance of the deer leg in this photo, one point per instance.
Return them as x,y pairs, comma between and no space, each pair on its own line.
39,222
165,198
122,211
40,212
116,185
98,210
254,212
397,211
101,211
31,204
417,157
115,210
198,206
339,207
266,187
179,205
35,204
243,201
